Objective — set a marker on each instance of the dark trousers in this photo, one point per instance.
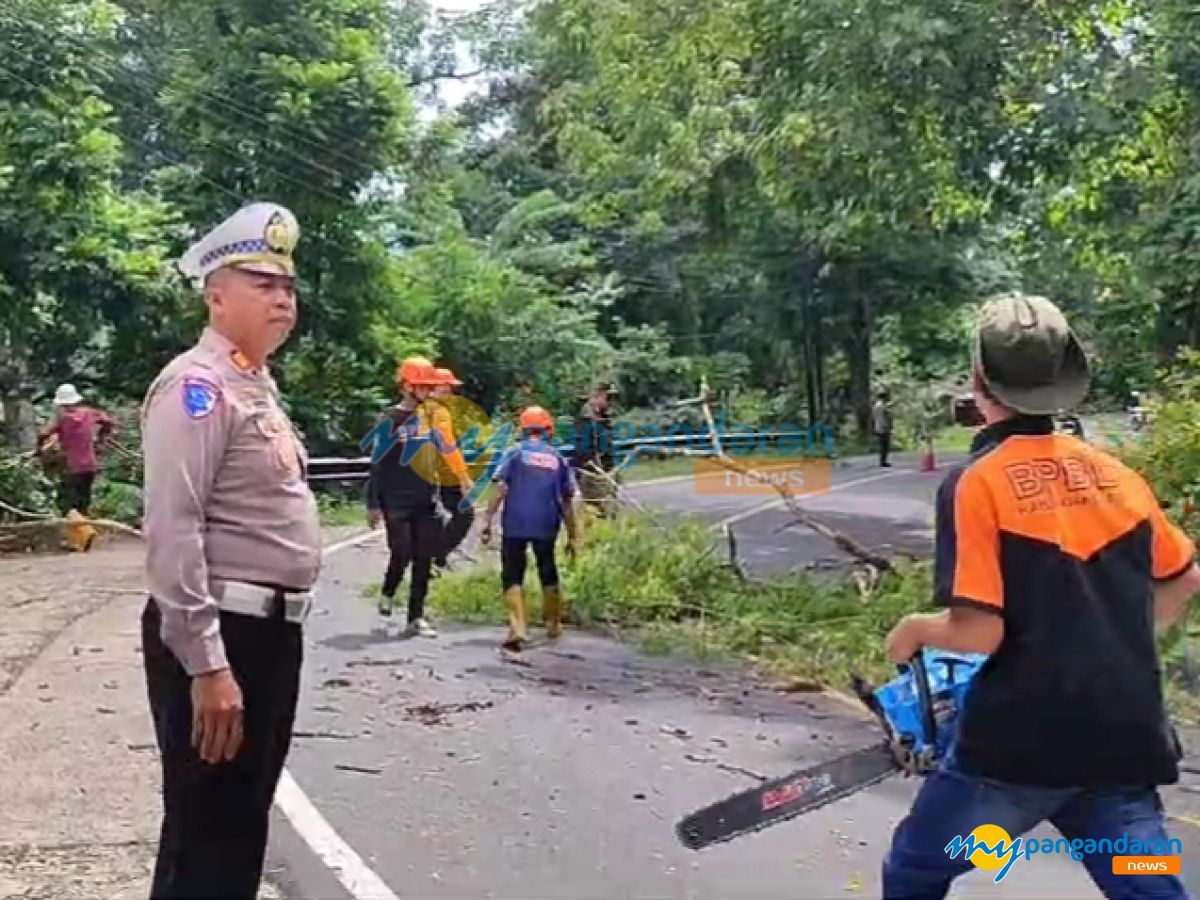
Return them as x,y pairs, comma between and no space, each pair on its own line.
215,817
459,525
885,446
77,491
414,536
952,803
513,558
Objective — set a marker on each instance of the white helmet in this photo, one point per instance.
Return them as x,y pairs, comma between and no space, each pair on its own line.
66,395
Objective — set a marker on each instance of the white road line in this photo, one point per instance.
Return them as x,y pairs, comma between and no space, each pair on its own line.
355,875
775,504
351,542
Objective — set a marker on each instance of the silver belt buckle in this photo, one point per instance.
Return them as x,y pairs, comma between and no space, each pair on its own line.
296,607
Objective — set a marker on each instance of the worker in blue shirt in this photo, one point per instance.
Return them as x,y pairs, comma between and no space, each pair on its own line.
537,488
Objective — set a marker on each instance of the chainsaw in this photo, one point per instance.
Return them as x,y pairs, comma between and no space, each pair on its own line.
918,711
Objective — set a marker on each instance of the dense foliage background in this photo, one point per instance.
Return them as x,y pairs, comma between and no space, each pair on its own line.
798,202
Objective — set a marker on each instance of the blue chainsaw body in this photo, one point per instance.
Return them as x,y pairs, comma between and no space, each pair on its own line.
919,708
919,712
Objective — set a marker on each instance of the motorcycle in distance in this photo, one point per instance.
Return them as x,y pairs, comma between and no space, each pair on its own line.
966,413
1138,414
1068,423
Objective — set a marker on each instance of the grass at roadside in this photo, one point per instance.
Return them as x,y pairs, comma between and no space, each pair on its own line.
955,439
666,588
646,469
672,592
338,511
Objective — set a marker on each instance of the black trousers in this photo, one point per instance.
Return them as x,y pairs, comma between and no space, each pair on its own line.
459,525
77,491
414,537
513,558
215,817
885,446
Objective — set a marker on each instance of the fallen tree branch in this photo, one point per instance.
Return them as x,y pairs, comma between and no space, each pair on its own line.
24,513
623,497
16,528
842,540
734,564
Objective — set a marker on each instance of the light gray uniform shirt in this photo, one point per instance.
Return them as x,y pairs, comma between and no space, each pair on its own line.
226,494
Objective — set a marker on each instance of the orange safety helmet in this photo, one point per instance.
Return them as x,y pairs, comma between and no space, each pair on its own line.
418,371
447,377
536,417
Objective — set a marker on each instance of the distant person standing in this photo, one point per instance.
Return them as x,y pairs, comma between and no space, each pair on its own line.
78,429
881,418
594,449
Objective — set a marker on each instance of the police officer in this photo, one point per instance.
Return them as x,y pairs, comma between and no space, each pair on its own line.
233,550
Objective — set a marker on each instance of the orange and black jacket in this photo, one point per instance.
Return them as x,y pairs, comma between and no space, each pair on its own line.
1065,543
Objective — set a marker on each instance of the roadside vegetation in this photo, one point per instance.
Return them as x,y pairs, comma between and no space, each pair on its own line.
667,586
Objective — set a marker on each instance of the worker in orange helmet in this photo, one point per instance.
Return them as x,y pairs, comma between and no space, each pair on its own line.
452,485
537,488
402,488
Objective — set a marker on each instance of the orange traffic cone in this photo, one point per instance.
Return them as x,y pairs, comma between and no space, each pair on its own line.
80,535
928,463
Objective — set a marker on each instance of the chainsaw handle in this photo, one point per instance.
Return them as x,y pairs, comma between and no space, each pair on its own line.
951,662
921,676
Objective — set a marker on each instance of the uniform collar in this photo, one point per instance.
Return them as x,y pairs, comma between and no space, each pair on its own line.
995,434
223,347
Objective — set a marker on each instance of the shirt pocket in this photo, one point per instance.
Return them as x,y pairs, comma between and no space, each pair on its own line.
276,441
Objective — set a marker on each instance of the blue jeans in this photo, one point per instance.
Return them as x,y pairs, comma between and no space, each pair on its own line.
952,802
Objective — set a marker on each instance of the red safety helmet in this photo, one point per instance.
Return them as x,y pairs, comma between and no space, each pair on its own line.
536,417
417,371
448,377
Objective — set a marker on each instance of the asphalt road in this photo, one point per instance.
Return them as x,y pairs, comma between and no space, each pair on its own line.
890,511
456,774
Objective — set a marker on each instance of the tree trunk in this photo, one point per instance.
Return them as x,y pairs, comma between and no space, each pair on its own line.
1175,327
858,357
819,352
20,424
810,382
814,350
16,396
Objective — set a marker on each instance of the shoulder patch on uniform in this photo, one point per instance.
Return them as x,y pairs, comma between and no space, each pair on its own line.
200,395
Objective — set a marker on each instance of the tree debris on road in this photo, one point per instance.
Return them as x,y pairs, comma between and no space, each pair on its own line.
332,735
365,770
436,713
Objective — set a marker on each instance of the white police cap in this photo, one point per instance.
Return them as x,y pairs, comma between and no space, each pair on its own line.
259,237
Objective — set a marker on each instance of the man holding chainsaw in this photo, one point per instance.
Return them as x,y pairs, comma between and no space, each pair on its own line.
1057,561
